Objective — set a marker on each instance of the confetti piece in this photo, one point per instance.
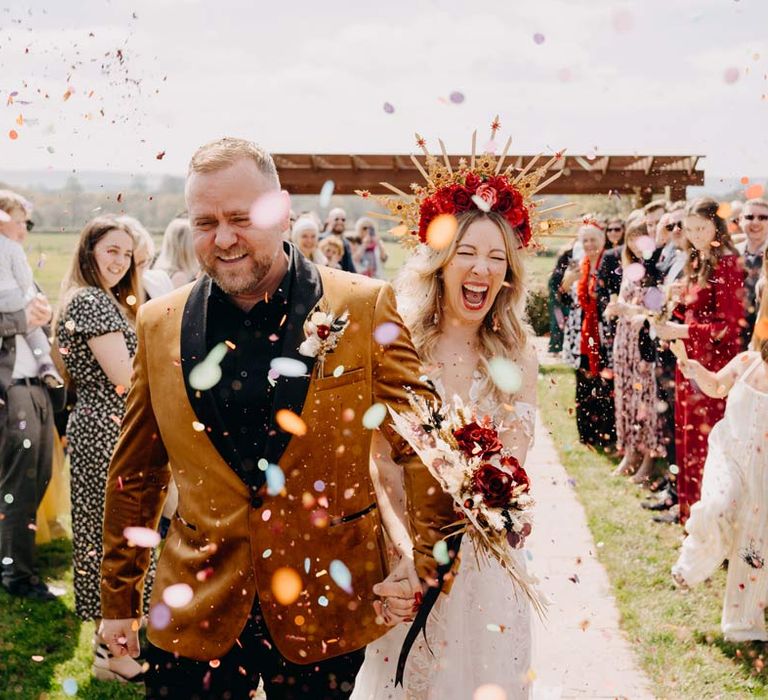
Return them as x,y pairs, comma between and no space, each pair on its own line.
141,536
8,498
270,210
374,416
456,97
674,469
286,585
178,595
389,108
322,601
646,244
338,371
653,299
491,627
69,686
266,515
159,616
267,554
319,486
7,561
440,553
386,333
326,192
197,426
505,374
120,390
288,367
275,480
731,75
208,373
341,575
348,415
160,155
724,210
441,231
565,75
13,134
634,272
290,422
754,191
489,691
130,300
538,38
623,21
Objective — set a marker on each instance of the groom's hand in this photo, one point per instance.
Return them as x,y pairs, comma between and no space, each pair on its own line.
121,636
401,594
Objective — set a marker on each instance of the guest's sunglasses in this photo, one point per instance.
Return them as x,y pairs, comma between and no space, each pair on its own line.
748,217
672,227
614,229
31,224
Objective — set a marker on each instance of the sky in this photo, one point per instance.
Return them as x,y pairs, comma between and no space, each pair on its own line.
592,76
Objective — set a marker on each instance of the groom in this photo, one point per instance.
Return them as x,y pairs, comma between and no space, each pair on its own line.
277,537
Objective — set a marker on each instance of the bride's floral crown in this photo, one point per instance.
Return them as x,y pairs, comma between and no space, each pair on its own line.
481,184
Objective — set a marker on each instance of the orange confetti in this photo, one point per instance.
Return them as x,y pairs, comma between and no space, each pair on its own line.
745,180
441,231
286,585
119,389
724,210
20,120
13,134
290,422
68,94
754,191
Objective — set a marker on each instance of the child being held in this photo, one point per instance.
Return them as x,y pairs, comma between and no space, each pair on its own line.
16,291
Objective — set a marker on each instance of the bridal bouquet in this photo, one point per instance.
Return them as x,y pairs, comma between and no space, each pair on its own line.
489,487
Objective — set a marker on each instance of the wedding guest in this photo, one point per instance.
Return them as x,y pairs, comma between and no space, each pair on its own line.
373,254
614,232
754,223
638,433
653,211
595,417
670,243
608,285
154,282
26,428
333,250
305,237
95,331
709,323
177,256
571,353
335,226
730,522
292,218
734,220
558,302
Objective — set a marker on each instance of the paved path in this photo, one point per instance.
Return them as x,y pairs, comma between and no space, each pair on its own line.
579,652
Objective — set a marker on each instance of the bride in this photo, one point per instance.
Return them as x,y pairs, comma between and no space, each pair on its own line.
463,306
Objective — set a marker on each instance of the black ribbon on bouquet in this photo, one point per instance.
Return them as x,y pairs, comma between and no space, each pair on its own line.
430,598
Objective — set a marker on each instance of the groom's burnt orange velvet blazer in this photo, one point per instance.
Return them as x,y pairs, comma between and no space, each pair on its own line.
228,541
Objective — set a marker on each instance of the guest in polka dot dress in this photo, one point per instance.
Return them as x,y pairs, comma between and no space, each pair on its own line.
96,337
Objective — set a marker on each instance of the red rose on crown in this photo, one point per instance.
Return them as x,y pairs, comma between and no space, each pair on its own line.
494,485
477,441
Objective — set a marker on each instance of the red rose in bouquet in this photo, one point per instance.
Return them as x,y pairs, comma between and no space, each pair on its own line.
477,441
494,485
519,475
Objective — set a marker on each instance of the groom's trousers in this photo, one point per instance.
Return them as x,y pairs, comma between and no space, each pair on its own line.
236,675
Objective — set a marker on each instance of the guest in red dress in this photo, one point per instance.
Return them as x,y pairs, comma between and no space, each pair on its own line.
711,318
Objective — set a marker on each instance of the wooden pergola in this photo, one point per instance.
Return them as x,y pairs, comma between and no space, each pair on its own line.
641,176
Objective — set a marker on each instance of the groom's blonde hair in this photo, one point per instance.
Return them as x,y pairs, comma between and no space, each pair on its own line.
222,153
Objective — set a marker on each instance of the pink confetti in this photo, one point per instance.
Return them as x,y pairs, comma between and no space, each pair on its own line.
731,75
389,108
142,536
538,38
635,272
178,595
386,333
623,21
271,209
456,97
159,616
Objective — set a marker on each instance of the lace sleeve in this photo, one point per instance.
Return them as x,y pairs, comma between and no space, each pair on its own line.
524,416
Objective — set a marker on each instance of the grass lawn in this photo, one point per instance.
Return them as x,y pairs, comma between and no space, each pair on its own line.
675,635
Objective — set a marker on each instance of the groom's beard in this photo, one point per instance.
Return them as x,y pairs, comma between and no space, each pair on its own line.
242,277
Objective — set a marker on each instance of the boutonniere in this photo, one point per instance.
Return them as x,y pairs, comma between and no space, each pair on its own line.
323,333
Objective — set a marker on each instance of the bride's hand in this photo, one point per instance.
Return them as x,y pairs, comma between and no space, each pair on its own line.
401,593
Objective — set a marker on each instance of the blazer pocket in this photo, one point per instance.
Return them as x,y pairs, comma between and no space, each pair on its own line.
331,382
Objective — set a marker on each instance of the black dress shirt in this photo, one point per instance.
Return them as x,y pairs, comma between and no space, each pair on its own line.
244,394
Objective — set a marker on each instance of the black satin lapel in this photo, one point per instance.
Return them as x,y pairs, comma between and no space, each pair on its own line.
193,351
290,392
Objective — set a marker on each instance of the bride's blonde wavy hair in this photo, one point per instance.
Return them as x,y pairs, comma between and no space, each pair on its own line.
419,290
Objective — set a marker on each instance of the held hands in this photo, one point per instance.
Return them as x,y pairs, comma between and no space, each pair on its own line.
401,594
121,636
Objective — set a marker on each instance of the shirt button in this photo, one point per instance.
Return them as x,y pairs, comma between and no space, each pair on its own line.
257,502
247,323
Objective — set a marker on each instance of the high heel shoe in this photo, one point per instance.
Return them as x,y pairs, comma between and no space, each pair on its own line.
107,667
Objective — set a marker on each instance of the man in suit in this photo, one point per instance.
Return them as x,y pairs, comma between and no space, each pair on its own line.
335,226
754,223
277,537
26,427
